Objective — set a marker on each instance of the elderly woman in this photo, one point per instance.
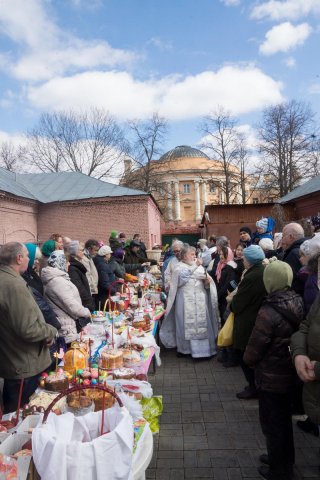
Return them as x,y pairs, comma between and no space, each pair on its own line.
116,263
191,321
106,277
77,273
245,306
63,296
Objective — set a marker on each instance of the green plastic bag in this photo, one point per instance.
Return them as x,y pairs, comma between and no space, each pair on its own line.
152,409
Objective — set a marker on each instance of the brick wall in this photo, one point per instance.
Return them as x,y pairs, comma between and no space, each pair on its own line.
154,224
95,218
18,219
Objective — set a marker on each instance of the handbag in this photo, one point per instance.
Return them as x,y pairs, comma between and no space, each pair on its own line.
225,336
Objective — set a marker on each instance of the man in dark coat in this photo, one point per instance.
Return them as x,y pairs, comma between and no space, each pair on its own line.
268,353
133,257
292,238
245,306
25,335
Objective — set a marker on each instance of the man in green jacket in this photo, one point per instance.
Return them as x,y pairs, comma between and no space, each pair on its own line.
25,336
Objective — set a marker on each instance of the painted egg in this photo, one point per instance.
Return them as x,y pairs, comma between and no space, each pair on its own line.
79,371
94,381
86,382
44,375
42,383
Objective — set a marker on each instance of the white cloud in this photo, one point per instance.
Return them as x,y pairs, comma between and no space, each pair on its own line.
239,89
160,44
315,88
288,9
250,135
48,51
290,62
285,37
231,3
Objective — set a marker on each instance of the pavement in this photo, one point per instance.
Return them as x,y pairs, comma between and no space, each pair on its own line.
206,432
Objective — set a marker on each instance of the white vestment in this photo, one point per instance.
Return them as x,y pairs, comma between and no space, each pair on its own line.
192,316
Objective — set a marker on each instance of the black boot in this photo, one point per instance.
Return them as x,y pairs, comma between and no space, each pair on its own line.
308,427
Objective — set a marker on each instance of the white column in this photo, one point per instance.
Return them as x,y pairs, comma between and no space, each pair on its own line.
169,201
177,200
197,199
204,195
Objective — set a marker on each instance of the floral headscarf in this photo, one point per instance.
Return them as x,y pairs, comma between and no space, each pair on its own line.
58,260
223,263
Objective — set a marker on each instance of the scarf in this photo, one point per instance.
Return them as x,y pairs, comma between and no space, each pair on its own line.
223,263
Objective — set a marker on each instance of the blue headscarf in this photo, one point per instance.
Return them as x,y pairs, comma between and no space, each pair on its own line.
31,247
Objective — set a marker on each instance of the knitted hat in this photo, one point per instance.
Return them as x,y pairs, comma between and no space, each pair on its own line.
114,234
263,223
246,230
253,254
311,247
277,275
266,244
58,260
118,253
104,250
202,241
31,247
48,247
73,247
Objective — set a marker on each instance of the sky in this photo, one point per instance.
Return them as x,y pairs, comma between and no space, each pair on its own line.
180,58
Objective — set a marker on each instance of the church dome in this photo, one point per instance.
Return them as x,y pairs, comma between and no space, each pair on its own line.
183,151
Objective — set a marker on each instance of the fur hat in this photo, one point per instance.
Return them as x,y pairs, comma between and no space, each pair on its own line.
311,247
263,223
266,244
104,250
246,230
253,254
277,275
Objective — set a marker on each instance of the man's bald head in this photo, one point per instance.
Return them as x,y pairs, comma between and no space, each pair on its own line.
290,233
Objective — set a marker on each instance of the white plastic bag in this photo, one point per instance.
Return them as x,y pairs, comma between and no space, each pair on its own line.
69,447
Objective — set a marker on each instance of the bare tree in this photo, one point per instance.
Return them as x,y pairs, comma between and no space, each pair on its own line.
226,145
89,142
11,156
147,138
285,141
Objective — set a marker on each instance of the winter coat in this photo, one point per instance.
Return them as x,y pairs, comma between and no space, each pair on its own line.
24,333
228,273
92,274
245,305
307,342
115,243
117,267
64,299
77,273
106,278
133,261
311,291
268,348
292,257
239,269
33,280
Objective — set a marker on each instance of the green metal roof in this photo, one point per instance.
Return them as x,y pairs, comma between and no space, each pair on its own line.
307,188
61,186
183,151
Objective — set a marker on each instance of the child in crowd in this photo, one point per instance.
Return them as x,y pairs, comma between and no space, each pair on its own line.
264,229
268,353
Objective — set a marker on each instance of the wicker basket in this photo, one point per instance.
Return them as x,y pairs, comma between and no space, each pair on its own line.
154,255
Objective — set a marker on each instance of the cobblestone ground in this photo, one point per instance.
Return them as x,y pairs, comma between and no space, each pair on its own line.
206,432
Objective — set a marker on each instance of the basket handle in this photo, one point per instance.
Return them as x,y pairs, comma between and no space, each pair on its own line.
76,389
121,282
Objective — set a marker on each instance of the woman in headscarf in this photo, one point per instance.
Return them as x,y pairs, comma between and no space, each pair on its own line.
63,296
192,315
47,248
116,263
77,273
245,306
106,277
225,273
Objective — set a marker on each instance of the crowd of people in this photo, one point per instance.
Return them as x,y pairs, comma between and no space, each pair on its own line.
268,282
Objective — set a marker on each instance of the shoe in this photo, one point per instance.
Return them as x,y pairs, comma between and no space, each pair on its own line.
182,355
222,355
264,459
247,394
308,427
265,472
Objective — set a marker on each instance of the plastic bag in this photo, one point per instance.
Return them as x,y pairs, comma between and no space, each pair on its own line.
152,409
225,337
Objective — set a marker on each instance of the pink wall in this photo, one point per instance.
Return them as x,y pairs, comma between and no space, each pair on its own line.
18,219
95,218
154,224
